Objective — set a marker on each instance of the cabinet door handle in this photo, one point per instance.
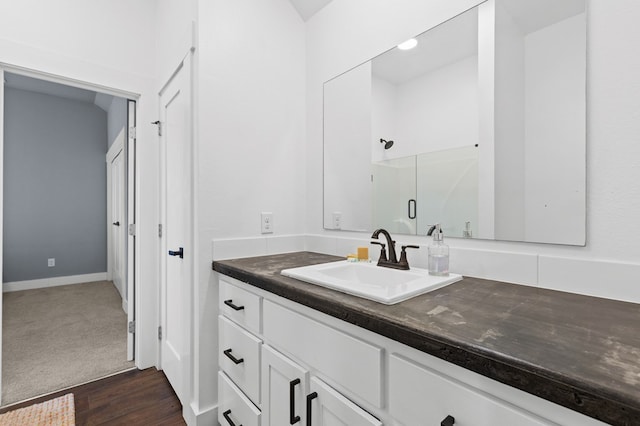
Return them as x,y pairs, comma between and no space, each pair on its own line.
233,358
230,304
227,417
448,421
293,419
310,398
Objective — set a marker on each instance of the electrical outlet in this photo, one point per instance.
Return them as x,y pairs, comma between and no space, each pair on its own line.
267,222
337,220
51,262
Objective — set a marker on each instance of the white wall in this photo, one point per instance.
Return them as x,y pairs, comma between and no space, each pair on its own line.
425,105
251,121
344,34
509,124
111,44
347,150
555,132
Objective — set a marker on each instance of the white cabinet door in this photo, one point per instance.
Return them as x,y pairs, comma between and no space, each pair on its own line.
327,407
284,388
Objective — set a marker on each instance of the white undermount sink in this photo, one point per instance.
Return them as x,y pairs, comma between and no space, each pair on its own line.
384,285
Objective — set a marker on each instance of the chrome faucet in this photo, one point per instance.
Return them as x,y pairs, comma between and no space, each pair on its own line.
391,261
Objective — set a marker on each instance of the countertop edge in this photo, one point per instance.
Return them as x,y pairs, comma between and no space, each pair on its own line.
580,397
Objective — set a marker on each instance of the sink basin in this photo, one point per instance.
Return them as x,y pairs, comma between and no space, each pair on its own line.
370,281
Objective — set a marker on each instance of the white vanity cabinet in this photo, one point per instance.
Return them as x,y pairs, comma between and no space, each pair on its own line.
239,357
259,383
342,374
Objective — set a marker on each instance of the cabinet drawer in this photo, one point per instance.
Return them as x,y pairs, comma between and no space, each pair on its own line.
240,357
234,407
353,363
420,396
240,305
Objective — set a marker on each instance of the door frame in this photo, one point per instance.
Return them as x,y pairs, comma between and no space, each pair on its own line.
191,240
54,78
115,149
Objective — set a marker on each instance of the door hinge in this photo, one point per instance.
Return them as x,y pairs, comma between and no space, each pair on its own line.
160,230
132,132
132,327
159,124
132,229
160,332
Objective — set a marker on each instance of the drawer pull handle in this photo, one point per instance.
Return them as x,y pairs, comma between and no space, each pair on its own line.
228,418
293,419
233,358
310,398
232,306
448,421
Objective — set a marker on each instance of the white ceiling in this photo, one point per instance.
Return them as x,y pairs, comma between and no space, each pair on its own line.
308,8
445,44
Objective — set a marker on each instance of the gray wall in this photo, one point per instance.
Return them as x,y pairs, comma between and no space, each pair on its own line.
116,119
54,187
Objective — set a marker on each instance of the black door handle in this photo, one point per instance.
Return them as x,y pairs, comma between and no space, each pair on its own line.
230,304
179,252
310,398
233,358
411,212
227,417
448,421
116,223
293,419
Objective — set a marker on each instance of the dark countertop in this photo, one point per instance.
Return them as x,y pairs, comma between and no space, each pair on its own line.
577,351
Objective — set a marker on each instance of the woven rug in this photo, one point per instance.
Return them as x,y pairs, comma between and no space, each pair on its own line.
55,412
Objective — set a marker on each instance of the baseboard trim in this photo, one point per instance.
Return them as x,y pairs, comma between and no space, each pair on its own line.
195,417
52,282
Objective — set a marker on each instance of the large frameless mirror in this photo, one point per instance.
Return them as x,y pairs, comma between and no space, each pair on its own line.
480,127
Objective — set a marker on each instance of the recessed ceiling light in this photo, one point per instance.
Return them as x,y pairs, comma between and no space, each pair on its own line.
409,44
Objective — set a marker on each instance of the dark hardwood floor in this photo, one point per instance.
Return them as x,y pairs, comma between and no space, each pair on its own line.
136,397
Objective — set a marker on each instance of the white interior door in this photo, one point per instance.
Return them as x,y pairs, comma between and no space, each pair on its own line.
130,152
117,219
177,255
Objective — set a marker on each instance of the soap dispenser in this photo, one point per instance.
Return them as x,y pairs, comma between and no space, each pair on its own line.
438,252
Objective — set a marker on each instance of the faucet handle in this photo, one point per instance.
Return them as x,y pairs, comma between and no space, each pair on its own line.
403,262
383,251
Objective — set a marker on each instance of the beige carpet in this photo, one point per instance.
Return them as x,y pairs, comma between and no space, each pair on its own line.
57,337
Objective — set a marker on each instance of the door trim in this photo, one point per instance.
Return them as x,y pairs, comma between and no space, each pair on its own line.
1,209
54,78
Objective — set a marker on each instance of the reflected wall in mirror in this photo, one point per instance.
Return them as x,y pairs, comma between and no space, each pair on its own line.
480,127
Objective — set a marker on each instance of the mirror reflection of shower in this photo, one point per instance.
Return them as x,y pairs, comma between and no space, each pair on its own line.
387,144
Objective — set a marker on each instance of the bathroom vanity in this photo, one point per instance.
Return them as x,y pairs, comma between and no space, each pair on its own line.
476,352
